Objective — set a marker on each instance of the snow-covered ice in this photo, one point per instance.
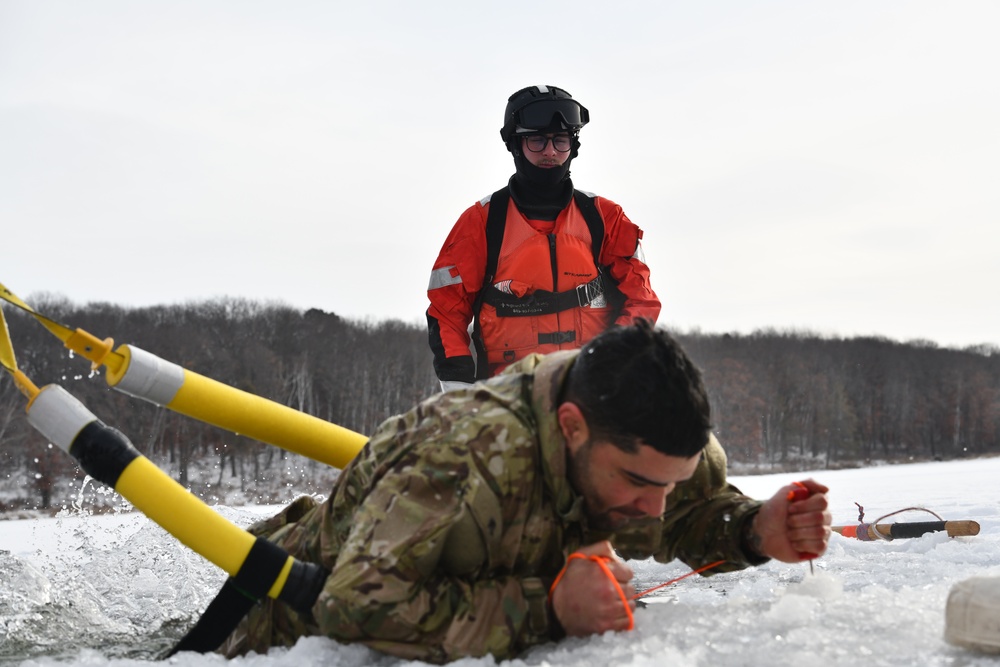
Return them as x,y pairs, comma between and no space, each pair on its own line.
116,590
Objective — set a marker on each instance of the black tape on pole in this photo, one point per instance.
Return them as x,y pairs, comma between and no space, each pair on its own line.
240,593
219,620
103,452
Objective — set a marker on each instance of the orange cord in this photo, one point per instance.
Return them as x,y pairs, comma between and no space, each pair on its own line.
675,580
602,562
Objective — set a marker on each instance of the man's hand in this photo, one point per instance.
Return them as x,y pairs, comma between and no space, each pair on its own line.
585,600
794,525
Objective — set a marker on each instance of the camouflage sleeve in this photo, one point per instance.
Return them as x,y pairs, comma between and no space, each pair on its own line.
413,578
703,522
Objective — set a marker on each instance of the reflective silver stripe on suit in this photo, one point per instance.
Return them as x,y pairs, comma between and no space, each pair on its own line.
442,278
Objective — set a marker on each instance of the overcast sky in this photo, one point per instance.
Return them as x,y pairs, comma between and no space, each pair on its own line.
822,166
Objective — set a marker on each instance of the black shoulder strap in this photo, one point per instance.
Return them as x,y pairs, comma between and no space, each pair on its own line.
595,223
496,221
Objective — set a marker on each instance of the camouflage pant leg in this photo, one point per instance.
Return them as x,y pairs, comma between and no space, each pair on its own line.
269,623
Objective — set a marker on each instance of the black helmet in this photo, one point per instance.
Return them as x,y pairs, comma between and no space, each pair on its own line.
538,108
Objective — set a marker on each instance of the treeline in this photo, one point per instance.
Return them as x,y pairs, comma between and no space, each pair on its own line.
801,400
354,374
780,400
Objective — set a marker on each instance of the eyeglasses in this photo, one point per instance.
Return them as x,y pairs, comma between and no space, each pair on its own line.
536,143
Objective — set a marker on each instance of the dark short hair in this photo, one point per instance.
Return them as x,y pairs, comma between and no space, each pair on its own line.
635,384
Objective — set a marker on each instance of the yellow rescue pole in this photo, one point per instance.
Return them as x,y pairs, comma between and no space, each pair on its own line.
138,373
257,566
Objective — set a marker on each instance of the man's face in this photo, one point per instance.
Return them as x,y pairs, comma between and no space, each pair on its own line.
618,487
550,154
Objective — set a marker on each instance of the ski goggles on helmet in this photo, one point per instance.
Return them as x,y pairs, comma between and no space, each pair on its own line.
562,113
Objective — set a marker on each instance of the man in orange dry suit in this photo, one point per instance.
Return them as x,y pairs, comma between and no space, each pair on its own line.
537,266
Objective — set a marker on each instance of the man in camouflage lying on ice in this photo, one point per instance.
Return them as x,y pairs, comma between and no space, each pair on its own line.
445,534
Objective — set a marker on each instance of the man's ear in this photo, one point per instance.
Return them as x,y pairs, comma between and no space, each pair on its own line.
573,425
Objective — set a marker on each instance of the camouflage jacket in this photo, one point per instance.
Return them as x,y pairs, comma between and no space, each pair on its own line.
445,532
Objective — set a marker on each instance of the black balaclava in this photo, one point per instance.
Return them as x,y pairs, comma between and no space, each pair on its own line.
540,193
